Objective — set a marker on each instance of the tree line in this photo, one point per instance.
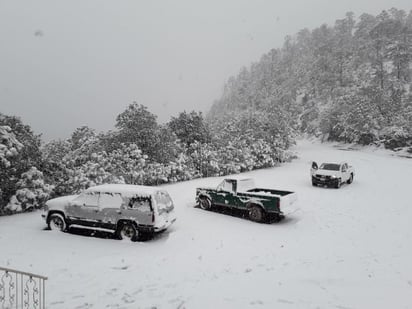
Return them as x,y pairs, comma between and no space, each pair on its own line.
138,150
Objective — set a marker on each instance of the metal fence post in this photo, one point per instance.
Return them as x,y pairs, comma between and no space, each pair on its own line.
21,290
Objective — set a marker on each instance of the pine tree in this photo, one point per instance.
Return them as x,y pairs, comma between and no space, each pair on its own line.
138,126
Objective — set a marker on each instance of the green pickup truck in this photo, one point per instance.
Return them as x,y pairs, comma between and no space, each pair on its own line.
241,193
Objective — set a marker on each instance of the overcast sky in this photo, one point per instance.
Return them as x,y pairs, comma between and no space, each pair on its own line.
64,64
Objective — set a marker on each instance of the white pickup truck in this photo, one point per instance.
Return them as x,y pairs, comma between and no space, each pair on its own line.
332,174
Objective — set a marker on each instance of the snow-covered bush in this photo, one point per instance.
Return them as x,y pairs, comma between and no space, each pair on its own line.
181,169
32,192
19,151
229,162
127,162
204,158
89,174
396,137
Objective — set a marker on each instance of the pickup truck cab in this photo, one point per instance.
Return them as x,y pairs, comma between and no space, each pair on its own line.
332,174
241,193
128,210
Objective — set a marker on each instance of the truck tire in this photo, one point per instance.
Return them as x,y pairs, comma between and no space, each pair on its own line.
256,213
350,180
205,203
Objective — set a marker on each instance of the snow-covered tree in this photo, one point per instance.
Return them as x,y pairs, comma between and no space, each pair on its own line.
32,192
30,154
190,128
127,163
9,146
19,151
139,126
82,135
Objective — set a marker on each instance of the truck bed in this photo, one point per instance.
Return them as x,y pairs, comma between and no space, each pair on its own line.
269,191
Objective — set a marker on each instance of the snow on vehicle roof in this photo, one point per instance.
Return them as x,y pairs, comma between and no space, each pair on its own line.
337,163
126,190
239,178
243,183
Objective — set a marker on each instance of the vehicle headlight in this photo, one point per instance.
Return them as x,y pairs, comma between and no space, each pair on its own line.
333,176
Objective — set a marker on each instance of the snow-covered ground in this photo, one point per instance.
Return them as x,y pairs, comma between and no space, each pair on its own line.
346,248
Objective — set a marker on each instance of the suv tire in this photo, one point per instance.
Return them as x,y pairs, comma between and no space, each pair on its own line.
127,231
57,222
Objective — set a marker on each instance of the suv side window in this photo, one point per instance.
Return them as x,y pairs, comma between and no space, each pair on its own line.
88,199
110,200
344,167
142,204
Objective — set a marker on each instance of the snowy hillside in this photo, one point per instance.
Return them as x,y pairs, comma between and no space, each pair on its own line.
346,248
350,82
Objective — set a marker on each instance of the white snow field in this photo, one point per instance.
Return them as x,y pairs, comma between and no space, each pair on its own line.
346,248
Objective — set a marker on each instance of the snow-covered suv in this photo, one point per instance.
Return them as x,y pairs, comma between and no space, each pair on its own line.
332,174
126,210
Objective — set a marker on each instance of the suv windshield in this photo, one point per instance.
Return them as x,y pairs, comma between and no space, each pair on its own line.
330,167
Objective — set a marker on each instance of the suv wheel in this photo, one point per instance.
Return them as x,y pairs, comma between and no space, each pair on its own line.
57,222
256,214
127,231
350,180
205,203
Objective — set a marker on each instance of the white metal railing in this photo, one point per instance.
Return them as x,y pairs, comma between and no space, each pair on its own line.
21,290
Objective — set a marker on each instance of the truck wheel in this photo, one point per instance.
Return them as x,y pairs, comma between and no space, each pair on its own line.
57,222
314,184
350,180
256,214
205,203
127,231
338,184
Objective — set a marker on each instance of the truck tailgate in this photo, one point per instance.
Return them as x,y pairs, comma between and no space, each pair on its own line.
288,203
